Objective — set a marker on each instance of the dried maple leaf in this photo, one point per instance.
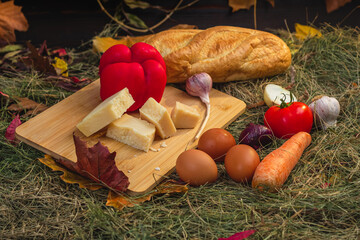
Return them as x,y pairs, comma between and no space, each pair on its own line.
39,62
120,201
236,5
71,84
11,19
240,235
98,164
332,5
10,131
68,176
31,106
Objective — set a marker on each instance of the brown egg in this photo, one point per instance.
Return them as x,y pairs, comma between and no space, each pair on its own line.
240,163
216,142
196,167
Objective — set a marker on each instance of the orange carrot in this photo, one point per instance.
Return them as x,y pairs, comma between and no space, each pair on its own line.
275,168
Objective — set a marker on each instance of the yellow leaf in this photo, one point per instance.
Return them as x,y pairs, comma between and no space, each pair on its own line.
61,67
68,176
100,45
120,201
303,31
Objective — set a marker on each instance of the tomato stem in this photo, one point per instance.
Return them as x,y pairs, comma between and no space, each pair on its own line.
283,103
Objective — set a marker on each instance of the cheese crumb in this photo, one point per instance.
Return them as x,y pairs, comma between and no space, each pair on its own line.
157,169
163,145
154,149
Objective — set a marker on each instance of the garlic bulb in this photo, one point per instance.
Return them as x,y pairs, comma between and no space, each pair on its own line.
326,110
199,85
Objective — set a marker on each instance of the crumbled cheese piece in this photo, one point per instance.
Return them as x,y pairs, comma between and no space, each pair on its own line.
157,169
155,113
154,149
163,145
184,116
132,131
106,112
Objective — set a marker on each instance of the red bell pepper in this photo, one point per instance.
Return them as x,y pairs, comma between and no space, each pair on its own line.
140,68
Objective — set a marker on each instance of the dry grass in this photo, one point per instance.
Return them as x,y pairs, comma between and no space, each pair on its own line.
36,204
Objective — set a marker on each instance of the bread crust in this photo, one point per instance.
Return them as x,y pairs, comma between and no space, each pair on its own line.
226,53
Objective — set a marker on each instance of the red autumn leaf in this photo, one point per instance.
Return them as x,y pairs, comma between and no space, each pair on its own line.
10,131
4,94
11,19
98,164
61,52
240,235
77,80
71,84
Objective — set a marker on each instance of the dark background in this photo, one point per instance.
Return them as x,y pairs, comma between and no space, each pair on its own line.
70,23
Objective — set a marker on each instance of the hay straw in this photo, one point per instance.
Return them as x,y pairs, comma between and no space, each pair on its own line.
319,200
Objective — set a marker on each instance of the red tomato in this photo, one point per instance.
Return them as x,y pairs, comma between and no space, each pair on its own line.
288,119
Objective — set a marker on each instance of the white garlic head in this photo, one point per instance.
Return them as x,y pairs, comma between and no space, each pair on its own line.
326,111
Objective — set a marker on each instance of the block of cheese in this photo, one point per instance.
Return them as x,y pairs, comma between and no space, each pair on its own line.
106,112
184,116
155,113
132,131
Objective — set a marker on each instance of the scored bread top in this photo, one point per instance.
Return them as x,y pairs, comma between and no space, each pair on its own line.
226,53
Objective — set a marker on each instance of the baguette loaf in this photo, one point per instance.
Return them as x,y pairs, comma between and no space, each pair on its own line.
226,53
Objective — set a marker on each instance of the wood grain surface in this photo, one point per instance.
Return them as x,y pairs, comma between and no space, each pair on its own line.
52,133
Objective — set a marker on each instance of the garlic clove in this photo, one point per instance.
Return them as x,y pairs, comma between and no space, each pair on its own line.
199,85
326,111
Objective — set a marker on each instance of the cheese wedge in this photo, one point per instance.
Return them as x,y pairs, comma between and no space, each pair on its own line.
132,131
106,112
184,116
155,113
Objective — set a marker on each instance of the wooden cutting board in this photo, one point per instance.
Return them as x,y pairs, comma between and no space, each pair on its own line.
52,133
